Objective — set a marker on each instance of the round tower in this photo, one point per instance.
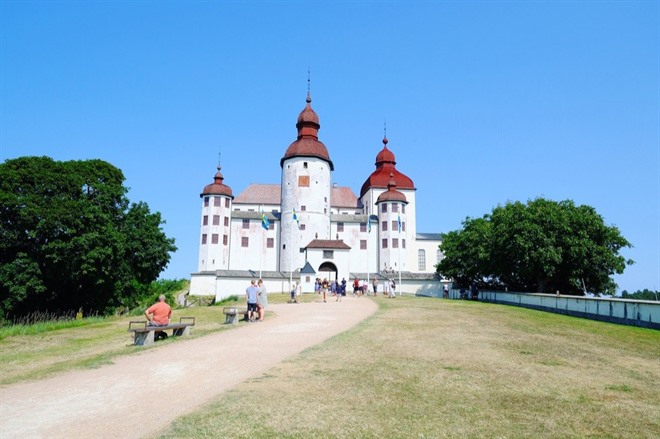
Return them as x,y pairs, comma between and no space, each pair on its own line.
215,225
306,186
392,219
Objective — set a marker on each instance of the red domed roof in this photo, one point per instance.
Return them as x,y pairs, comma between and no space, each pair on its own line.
386,165
217,187
307,144
392,194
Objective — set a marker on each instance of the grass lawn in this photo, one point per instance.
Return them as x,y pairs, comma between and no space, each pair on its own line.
437,368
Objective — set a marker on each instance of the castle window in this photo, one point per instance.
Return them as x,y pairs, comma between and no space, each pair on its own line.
395,225
403,208
384,243
363,244
303,181
205,220
302,227
340,227
438,256
363,227
271,226
328,254
303,208
217,201
204,238
246,223
383,226
270,242
206,201
383,208
305,165
245,241
225,239
403,243
216,220
395,243
227,203
421,260
403,226
214,238
226,221
395,207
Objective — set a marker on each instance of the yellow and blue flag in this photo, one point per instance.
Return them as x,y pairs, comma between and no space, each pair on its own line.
398,220
264,221
295,218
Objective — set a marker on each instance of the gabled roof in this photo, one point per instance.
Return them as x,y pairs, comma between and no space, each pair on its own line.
307,269
328,244
260,194
343,197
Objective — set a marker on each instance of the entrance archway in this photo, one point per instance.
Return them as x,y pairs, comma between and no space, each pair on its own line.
330,269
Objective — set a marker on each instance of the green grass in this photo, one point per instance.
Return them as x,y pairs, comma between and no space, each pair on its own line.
435,368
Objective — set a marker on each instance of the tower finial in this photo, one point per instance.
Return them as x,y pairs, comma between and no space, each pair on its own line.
219,156
385,132
309,97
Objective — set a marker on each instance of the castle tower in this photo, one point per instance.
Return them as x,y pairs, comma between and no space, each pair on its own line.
392,219
377,184
306,186
215,225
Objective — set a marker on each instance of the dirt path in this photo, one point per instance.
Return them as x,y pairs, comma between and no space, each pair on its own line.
140,394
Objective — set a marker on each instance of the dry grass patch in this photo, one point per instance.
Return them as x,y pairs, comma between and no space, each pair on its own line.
436,368
39,355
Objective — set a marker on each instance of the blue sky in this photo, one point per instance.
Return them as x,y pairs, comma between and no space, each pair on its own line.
485,102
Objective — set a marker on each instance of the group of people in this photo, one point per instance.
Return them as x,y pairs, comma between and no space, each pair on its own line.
257,300
361,287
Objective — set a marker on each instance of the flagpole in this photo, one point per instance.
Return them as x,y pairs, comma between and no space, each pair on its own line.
367,248
398,251
291,255
263,238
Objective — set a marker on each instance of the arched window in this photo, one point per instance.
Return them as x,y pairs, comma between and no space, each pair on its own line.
421,260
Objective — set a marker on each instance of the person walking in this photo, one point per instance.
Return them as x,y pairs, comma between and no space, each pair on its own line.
374,283
251,295
324,289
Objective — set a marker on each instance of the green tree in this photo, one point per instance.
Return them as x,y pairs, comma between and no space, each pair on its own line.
70,239
541,246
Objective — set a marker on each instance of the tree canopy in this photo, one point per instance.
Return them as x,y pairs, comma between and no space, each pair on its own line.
70,238
542,246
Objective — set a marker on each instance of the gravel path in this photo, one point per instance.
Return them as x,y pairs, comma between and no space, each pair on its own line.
139,395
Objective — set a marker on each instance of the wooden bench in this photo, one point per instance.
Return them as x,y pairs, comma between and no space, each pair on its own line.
231,314
144,334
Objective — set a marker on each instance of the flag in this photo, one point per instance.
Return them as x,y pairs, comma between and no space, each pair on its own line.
264,221
295,218
398,220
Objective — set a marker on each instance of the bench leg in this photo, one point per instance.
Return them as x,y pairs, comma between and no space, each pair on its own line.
231,319
181,331
144,338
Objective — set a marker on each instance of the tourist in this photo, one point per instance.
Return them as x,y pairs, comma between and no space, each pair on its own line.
356,286
262,299
298,292
392,289
252,294
324,288
343,286
159,314
374,283
445,291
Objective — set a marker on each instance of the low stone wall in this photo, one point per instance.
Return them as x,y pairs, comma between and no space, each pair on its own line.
642,313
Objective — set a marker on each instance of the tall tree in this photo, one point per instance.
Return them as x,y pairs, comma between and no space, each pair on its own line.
70,239
541,246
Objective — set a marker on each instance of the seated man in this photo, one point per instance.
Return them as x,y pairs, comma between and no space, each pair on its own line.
159,314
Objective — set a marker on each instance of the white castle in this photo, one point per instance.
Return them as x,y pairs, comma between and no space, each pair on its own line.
307,227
